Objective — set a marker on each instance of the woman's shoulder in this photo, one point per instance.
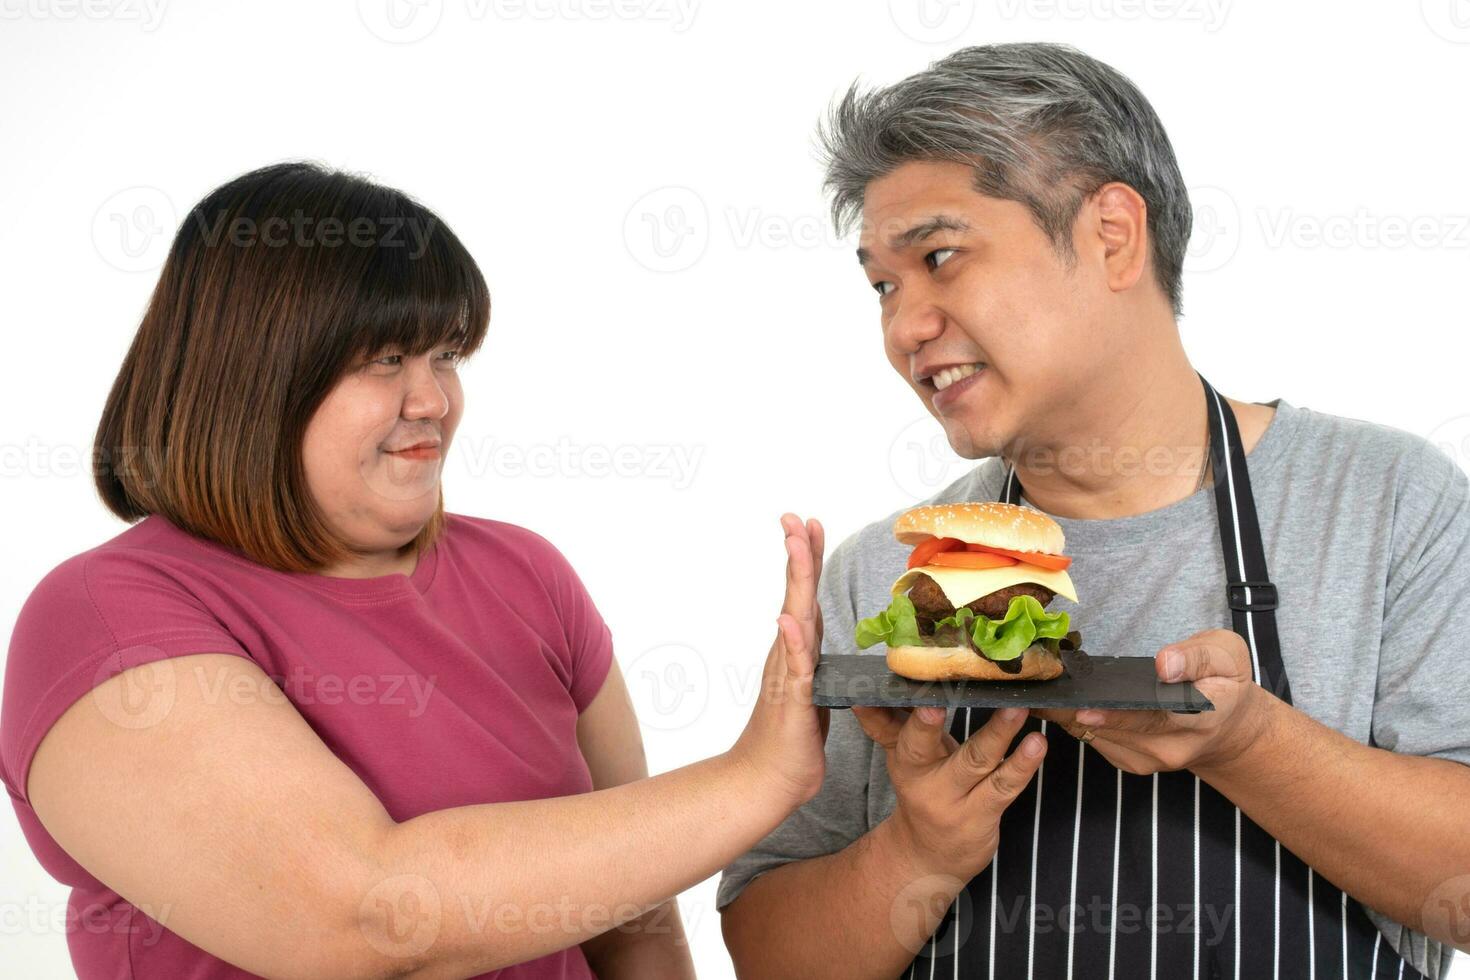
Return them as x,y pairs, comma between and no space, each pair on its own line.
81,575
125,602
508,554
137,582
481,536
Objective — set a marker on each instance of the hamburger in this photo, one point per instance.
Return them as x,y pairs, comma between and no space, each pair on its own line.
972,603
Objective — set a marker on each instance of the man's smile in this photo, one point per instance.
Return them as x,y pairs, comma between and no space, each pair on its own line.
949,381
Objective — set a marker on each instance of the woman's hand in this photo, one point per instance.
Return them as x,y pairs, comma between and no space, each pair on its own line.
782,744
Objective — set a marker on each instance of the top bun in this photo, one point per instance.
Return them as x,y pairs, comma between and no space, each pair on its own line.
998,525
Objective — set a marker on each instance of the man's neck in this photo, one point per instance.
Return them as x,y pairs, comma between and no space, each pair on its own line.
1138,447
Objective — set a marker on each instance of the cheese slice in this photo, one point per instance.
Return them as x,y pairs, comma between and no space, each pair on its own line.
962,586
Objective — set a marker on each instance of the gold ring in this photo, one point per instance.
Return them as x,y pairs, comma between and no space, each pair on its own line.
1086,735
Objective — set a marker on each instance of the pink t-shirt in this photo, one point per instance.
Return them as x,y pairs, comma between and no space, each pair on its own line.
458,684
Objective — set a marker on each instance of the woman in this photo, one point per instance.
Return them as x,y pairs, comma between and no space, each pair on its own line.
297,721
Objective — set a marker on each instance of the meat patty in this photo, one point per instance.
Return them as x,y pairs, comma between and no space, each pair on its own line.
930,603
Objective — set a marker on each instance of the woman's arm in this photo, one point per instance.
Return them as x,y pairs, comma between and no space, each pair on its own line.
651,946
218,811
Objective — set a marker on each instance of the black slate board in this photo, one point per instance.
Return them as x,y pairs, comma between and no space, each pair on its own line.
844,680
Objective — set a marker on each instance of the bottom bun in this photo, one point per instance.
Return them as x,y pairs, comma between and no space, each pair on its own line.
964,664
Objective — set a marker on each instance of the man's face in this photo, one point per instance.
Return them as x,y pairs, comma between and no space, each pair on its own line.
981,315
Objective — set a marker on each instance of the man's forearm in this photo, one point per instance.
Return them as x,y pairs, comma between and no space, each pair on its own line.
1391,830
861,912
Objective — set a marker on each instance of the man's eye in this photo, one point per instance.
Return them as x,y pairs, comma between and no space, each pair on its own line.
884,287
449,357
392,360
938,257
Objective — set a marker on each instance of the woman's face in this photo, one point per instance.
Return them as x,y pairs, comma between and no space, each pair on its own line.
375,496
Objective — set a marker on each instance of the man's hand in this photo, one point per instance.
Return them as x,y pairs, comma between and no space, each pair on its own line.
951,796
1142,742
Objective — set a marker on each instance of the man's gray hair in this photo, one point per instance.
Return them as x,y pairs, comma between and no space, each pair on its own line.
1044,124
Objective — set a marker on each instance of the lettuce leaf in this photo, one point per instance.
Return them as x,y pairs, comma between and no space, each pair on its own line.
896,625
1024,623
960,620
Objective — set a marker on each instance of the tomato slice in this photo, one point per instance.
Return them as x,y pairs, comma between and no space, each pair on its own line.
971,559
1057,563
926,550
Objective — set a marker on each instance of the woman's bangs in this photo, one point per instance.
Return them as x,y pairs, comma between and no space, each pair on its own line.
421,295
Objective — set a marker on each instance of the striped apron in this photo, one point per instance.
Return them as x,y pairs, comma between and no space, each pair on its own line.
1156,876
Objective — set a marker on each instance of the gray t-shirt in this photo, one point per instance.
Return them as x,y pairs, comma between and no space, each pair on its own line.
1367,537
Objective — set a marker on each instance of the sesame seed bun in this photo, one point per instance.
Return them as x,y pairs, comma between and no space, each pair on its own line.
961,663
998,525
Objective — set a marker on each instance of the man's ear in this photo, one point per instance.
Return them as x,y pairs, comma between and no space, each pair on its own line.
1121,227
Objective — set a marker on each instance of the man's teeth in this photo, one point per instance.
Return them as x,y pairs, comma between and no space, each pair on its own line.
950,375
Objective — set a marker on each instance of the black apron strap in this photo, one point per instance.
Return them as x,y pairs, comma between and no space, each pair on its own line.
1248,589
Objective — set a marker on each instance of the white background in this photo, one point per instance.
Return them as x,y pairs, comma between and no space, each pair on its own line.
637,181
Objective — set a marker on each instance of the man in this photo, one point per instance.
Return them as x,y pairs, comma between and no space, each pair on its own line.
1024,224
